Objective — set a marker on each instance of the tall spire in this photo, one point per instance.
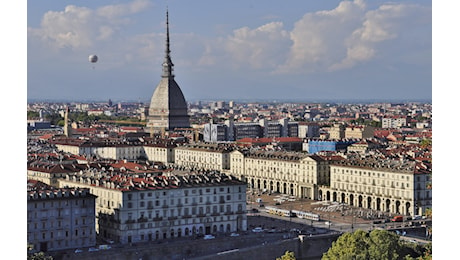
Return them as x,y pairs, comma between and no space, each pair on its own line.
167,63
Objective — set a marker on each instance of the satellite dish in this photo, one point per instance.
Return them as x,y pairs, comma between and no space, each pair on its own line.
92,58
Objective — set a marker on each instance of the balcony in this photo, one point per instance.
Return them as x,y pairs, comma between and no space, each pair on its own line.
141,220
130,221
158,219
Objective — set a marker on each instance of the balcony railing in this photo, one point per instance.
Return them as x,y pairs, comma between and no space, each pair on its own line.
140,220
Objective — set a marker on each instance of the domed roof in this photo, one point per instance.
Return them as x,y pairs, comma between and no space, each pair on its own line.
168,97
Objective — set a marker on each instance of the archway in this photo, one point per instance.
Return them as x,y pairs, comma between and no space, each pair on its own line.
398,205
360,201
258,184
351,200
292,189
369,202
343,198
387,205
334,196
408,211
378,204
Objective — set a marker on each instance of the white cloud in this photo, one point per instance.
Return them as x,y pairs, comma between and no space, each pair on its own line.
387,23
80,27
115,11
319,37
258,48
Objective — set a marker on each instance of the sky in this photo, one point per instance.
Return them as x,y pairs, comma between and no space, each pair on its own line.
230,50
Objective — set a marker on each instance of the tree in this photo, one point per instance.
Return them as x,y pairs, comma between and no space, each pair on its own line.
288,255
378,244
384,245
349,246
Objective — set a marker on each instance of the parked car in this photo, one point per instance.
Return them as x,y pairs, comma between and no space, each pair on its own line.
234,234
209,237
92,249
257,230
78,250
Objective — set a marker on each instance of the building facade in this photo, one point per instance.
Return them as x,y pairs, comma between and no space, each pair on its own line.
359,132
390,186
59,219
140,209
203,156
292,173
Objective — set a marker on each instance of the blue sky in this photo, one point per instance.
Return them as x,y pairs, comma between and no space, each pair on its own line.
274,50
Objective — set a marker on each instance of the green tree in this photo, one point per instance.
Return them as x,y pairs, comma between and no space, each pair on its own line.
288,255
349,246
383,245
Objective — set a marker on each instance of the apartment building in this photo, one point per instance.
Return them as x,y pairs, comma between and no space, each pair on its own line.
308,130
398,187
106,149
296,174
146,208
337,132
203,156
394,122
160,152
59,219
359,132
49,172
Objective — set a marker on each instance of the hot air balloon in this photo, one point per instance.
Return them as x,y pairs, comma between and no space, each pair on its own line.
92,58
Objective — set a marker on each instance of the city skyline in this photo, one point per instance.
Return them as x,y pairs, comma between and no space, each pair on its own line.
378,50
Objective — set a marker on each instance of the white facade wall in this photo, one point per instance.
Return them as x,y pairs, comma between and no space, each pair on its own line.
380,189
160,154
131,216
202,158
